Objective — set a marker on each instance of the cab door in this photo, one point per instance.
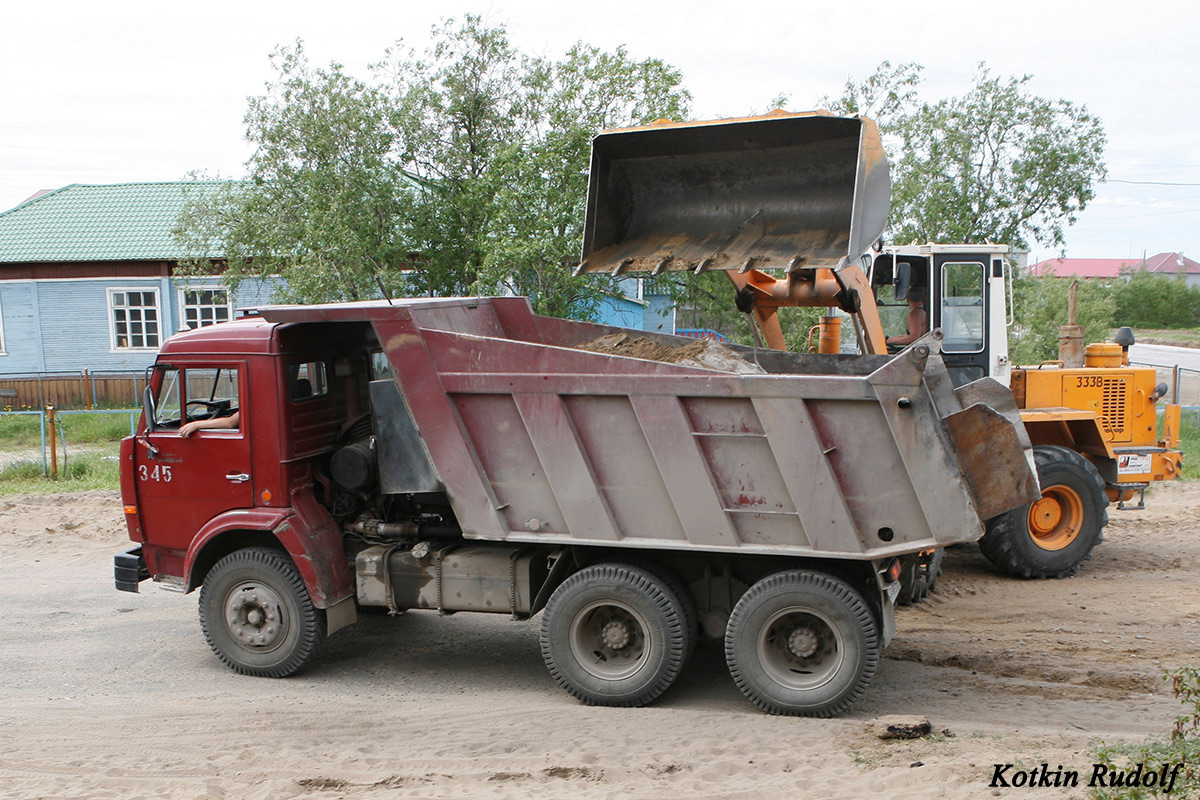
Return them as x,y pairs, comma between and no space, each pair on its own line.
182,483
961,309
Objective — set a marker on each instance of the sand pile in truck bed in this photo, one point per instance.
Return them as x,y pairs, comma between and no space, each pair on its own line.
702,353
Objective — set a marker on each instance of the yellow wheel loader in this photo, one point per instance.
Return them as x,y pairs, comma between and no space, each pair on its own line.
790,206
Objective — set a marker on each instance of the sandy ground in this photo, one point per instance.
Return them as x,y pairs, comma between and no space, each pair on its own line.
107,694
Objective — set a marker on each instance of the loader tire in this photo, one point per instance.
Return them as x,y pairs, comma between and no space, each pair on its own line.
802,643
257,616
615,634
918,576
1053,536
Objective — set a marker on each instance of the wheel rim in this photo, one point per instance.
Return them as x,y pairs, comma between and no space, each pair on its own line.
255,616
610,640
1057,518
800,650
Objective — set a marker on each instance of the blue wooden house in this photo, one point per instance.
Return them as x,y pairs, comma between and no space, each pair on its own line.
88,279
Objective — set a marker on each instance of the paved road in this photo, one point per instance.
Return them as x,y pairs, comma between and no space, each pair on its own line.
1162,356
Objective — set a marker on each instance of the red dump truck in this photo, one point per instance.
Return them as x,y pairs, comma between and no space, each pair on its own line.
469,455
465,454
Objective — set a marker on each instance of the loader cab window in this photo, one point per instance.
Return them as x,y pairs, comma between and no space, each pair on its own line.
962,309
901,285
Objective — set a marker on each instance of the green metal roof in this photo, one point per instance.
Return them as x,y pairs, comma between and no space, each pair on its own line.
120,222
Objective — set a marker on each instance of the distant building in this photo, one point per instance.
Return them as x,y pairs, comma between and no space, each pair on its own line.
88,279
636,308
1111,268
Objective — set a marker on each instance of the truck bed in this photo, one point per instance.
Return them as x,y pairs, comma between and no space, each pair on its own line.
535,440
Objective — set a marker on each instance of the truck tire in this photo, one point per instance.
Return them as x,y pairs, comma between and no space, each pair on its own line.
1051,537
257,616
615,635
691,619
802,643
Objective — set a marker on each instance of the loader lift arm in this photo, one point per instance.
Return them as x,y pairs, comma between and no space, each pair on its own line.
848,289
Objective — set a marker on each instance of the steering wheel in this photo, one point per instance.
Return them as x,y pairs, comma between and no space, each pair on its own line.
212,408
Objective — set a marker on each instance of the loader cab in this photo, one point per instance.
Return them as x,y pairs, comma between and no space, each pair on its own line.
966,291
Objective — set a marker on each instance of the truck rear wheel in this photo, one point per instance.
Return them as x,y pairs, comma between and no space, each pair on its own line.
615,635
802,643
257,616
1052,536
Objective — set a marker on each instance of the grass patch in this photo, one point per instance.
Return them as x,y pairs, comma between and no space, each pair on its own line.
93,428
1189,443
23,431
20,432
83,471
1180,747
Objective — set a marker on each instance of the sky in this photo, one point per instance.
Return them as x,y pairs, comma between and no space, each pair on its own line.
134,91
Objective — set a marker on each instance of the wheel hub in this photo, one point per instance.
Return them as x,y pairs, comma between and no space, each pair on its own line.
616,635
1045,515
254,614
803,642
1056,519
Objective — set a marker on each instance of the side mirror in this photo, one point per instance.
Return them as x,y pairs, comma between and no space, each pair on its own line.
149,410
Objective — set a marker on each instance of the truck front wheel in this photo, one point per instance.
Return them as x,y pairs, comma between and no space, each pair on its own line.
1052,536
615,635
802,643
257,616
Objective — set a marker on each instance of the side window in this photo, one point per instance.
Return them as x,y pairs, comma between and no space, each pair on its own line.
307,379
134,319
191,394
962,306
211,394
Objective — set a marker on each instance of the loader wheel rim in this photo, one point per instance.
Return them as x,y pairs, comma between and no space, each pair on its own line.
255,616
800,649
609,639
1056,519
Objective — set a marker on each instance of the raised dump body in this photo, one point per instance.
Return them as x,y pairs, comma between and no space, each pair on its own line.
536,440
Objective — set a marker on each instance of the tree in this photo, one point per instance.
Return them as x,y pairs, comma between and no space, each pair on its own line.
323,204
498,143
888,96
998,164
1154,300
1040,307
460,171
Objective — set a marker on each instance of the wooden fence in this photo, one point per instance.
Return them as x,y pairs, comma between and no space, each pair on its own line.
78,390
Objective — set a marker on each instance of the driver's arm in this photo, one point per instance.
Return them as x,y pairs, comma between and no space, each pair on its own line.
226,423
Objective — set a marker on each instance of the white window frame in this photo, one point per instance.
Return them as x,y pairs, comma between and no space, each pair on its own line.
3,352
112,320
183,304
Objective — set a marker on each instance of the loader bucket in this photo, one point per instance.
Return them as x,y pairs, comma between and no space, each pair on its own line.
781,191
